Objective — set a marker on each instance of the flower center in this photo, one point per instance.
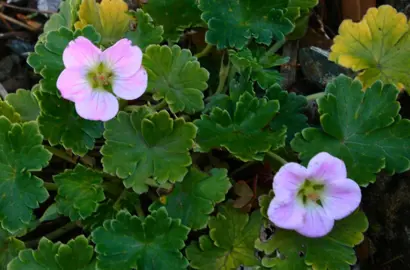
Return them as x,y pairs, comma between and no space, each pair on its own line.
101,77
311,191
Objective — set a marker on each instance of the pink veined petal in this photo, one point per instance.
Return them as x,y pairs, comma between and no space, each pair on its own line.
316,222
73,84
123,58
81,53
290,177
132,87
340,198
285,212
325,167
100,105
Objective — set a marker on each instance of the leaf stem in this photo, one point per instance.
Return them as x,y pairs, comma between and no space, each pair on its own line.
205,51
276,157
315,96
50,186
140,211
223,75
160,105
61,154
54,234
275,47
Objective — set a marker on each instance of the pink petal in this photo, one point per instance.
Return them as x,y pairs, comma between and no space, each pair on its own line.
100,105
132,87
326,168
285,212
341,198
81,53
123,58
316,222
290,177
73,84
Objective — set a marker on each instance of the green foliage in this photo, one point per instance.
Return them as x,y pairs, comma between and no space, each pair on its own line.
146,33
9,248
129,242
362,128
175,76
194,199
242,131
9,112
77,254
21,152
79,192
25,104
331,252
230,241
141,145
233,23
174,15
65,18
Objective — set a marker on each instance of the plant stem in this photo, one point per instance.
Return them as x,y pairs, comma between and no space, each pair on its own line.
315,96
275,47
50,186
244,166
139,210
223,75
53,235
61,154
160,105
276,157
205,51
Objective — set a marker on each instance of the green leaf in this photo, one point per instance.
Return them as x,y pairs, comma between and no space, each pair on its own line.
51,213
290,113
146,33
104,212
9,112
21,152
25,103
143,145
175,76
77,254
194,199
79,192
174,15
232,23
47,58
129,242
60,124
243,132
363,129
331,252
9,248
64,18
231,241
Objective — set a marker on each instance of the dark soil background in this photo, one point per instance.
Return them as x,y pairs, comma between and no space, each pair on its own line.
386,202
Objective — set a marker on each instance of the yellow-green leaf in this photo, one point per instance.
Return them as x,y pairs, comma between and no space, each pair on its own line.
109,18
377,47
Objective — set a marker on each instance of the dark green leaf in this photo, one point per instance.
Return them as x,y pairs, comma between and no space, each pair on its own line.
25,104
9,248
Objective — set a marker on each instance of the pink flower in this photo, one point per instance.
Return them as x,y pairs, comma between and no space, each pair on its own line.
93,79
309,200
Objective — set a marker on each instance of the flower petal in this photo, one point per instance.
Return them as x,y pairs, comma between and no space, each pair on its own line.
326,168
81,53
123,58
316,222
100,105
285,212
73,84
290,177
340,198
132,87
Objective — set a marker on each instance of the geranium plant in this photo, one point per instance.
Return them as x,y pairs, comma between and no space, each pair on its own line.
130,151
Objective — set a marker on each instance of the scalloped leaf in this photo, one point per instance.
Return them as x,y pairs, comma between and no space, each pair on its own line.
243,131
175,76
21,152
130,242
363,129
376,47
230,241
79,192
77,254
232,23
331,252
25,103
9,248
60,124
9,112
141,145
194,199
109,18
174,15
66,16
146,33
